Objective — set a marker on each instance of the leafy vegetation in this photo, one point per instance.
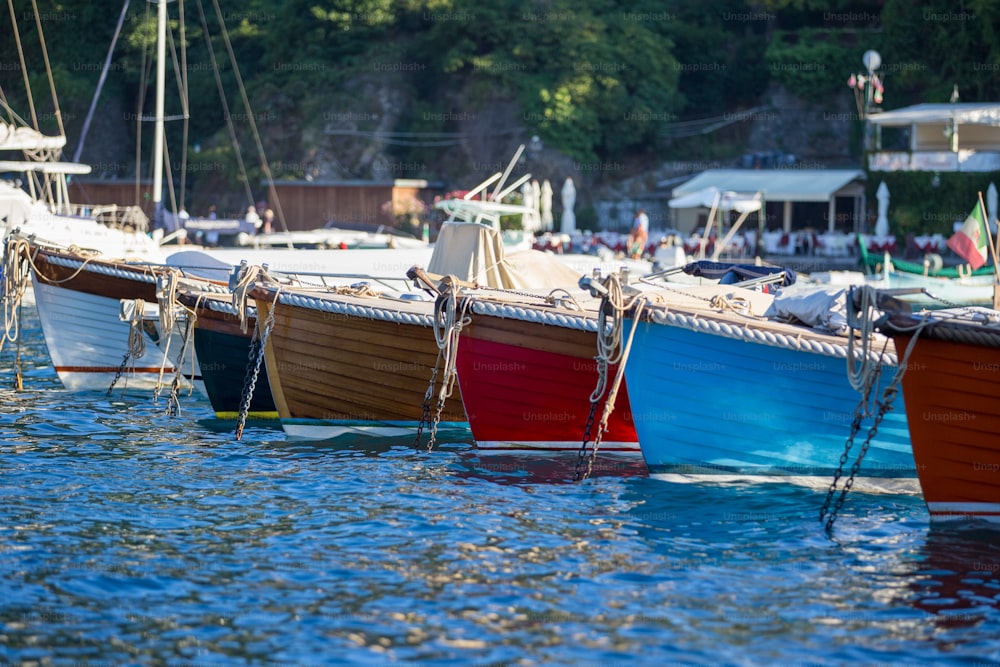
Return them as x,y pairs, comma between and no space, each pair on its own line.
362,85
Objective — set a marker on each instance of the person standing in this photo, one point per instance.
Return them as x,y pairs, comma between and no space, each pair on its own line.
254,219
639,236
212,235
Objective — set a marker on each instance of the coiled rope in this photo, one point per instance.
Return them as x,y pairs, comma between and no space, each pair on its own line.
241,292
448,321
169,309
861,365
15,283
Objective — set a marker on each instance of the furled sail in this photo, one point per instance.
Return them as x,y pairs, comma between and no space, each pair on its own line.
14,138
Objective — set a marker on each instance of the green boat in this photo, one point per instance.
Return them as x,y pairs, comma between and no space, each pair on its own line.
872,263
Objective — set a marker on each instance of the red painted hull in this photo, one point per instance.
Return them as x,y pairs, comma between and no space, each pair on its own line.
952,391
519,398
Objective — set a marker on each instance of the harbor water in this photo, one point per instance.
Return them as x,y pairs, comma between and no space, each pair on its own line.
132,537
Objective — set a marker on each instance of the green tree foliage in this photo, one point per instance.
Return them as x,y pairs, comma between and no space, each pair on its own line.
957,46
719,51
812,62
591,78
598,80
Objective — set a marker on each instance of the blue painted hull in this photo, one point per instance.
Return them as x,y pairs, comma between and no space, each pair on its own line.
708,405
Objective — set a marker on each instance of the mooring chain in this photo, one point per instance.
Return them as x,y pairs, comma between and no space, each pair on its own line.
426,417
883,405
18,376
253,371
119,373
607,351
582,455
860,412
248,376
173,403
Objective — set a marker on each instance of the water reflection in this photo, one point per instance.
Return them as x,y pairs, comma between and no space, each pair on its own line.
955,574
539,468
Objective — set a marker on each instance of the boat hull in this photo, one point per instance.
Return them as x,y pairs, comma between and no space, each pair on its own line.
527,386
79,305
940,292
223,362
360,371
712,407
951,394
223,350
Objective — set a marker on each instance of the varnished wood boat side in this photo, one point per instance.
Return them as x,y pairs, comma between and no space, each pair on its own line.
954,420
340,367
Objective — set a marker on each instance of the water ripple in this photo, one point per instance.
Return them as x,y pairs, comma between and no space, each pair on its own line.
129,536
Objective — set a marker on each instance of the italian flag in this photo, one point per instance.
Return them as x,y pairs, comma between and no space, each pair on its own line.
970,241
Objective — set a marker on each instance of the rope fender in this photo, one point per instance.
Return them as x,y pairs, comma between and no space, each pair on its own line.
751,335
581,323
367,312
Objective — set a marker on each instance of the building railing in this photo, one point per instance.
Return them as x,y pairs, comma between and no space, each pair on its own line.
966,160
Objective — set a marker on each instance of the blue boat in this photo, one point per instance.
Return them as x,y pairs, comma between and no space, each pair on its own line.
718,392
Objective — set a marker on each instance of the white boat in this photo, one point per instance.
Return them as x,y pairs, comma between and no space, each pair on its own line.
332,237
95,314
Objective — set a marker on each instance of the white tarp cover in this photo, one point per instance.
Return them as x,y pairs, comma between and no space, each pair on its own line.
823,308
13,138
803,185
475,253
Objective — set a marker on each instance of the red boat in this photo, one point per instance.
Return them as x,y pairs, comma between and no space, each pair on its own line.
951,383
526,367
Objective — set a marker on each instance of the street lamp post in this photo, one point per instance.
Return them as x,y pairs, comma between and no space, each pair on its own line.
868,90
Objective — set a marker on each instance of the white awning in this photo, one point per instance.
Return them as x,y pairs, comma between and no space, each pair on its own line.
797,185
969,113
724,201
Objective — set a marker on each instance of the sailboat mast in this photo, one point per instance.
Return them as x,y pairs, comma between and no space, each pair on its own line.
161,74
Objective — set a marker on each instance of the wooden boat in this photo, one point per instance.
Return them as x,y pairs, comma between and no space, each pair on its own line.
348,360
351,362
225,352
720,389
79,297
527,369
950,384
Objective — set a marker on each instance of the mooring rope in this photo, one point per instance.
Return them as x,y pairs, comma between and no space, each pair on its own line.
15,284
610,351
241,293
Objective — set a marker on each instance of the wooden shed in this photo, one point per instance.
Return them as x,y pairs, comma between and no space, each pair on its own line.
305,204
